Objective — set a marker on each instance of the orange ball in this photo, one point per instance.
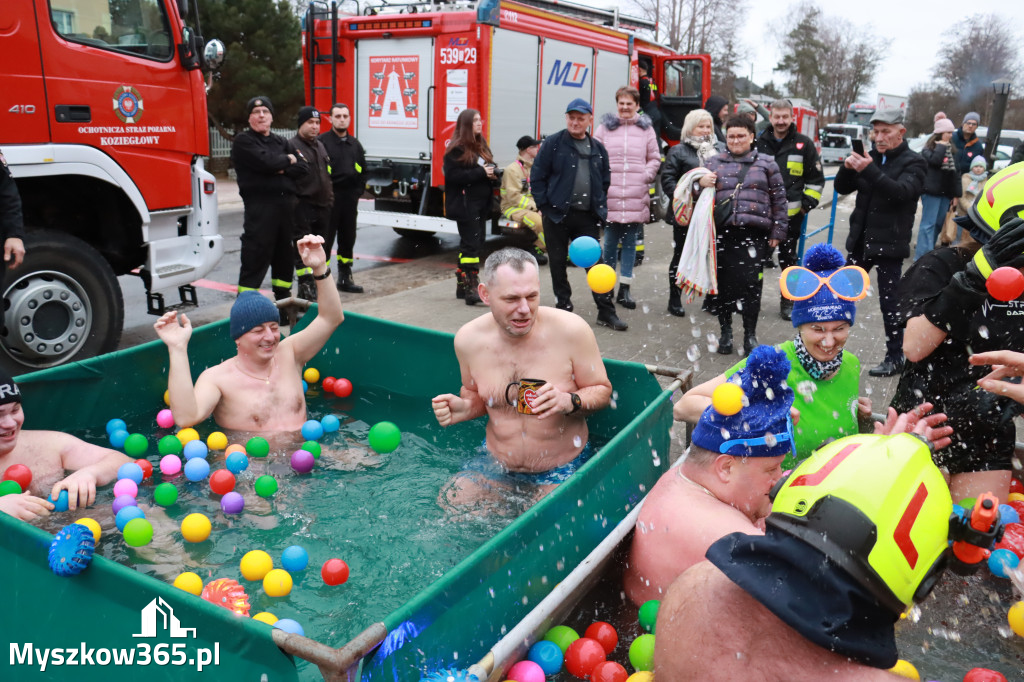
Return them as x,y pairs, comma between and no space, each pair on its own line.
234,447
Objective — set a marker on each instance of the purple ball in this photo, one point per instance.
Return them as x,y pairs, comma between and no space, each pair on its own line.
232,503
303,461
122,501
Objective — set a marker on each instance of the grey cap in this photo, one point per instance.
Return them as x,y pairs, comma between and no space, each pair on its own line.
895,116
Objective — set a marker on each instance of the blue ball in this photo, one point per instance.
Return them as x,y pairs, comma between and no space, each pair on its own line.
116,425
289,625
294,558
195,448
548,656
959,510
237,462
196,469
127,514
117,438
312,430
61,503
130,470
330,423
305,386
1002,561
584,251
1008,514
71,550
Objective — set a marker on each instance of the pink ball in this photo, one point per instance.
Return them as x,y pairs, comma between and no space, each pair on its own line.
126,486
170,465
526,671
164,419
303,461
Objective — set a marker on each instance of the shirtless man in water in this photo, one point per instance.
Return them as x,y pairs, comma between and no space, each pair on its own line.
520,339
49,454
260,388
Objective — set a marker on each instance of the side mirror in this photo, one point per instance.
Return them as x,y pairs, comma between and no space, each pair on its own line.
213,55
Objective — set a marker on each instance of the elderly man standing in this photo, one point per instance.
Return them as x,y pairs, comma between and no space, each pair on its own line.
570,179
888,181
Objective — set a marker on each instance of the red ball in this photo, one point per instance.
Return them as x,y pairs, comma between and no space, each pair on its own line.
147,468
343,388
608,671
222,481
328,384
603,633
984,675
1016,486
582,657
1013,539
1005,284
334,572
20,473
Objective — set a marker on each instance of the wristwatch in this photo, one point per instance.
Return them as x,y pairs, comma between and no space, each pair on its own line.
577,402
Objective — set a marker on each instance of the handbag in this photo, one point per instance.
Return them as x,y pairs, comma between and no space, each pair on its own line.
725,208
948,233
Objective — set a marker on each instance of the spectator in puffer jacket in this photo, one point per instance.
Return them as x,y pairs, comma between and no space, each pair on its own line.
941,185
634,159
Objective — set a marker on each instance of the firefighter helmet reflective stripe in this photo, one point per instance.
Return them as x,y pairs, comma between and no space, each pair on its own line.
877,506
1000,200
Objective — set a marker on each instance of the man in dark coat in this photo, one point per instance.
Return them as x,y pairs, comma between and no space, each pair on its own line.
888,181
314,192
12,226
347,161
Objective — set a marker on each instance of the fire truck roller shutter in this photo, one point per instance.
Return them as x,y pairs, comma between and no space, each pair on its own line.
611,73
513,106
567,72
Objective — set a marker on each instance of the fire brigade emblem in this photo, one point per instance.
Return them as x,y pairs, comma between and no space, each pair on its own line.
128,104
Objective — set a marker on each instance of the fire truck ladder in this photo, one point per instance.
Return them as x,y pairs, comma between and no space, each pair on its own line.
601,17
316,54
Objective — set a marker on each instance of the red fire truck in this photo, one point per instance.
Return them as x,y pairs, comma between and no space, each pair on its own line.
406,71
103,123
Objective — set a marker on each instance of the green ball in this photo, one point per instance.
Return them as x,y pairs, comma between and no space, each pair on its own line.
165,494
312,447
169,445
10,488
384,437
257,447
562,635
136,445
266,486
138,532
641,653
649,614
968,503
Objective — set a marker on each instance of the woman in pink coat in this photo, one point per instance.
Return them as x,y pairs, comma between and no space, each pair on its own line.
635,159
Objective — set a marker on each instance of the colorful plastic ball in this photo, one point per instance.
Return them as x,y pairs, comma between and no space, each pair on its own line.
1015,617
547,655
609,671
313,448
1008,514
255,565
234,447
61,503
526,671
122,501
126,486
237,462
10,488
305,386
222,481
584,251
136,445
601,278
116,425
138,532
312,375
303,461
228,594
167,398
968,503
384,437
1005,284
1013,539
190,582
582,655
216,441
165,494
195,527
20,473
265,486
92,525
727,399
294,559
1001,562
130,470
232,503
257,446
289,625
648,615
187,435
312,430
118,438
984,675
641,653
334,572
277,583
605,634
195,448
265,617
146,466
641,676
328,384
126,514
905,668
71,550
1016,486
169,445
197,469
342,388
164,419
330,423
562,635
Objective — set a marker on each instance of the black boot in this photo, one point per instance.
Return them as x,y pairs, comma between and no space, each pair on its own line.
460,284
540,255
675,298
281,293
307,287
472,294
749,341
750,313
725,334
345,282
624,299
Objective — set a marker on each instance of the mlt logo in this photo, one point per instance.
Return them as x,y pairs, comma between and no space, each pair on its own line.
569,74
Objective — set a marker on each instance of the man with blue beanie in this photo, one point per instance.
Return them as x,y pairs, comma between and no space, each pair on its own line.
260,388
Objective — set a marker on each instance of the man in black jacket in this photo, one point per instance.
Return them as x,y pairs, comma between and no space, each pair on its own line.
570,179
12,226
266,173
348,159
888,181
313,212
797,159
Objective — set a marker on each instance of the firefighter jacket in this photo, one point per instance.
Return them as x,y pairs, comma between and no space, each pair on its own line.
11,221
347,161
798,161
516,194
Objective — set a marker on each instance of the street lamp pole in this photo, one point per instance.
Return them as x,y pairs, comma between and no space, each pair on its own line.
1001,88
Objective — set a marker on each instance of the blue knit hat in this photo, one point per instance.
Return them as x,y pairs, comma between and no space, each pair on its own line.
823,259
764,416
251,309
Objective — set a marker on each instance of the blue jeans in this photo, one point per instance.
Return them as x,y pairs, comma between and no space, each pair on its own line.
933,214
626,233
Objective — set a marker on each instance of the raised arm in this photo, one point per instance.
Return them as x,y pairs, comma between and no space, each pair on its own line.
189,404
308,342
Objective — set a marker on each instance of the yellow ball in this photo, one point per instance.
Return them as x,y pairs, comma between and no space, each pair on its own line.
91,525
256,564
167,398
727,399
187,435
277,583
195,527
1016,618
265,617
311,375
642,676
217,441
601,278
905,669
190,582
1015,497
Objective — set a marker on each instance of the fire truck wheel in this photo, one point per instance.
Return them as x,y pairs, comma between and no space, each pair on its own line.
62,303
413,234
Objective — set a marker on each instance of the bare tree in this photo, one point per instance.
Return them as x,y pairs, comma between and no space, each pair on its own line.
976,52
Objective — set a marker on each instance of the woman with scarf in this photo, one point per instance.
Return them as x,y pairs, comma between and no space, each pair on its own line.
941,186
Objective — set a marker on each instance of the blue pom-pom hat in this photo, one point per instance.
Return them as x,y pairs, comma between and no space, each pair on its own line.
824,306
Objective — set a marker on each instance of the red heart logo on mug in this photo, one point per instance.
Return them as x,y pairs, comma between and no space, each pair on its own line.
528,397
